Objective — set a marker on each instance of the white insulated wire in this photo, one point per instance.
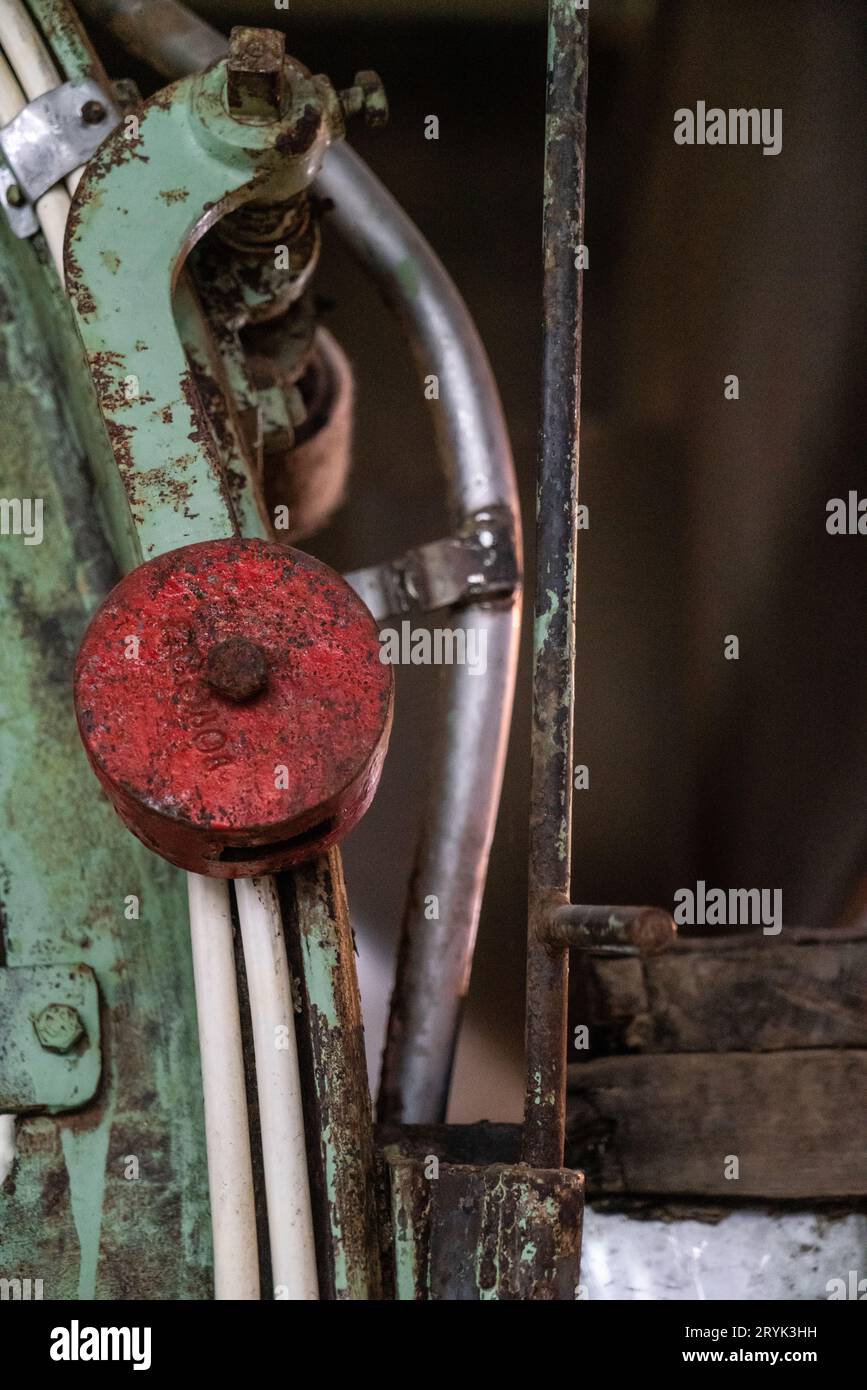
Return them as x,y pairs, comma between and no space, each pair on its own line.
227,1133
7,1146
284,1155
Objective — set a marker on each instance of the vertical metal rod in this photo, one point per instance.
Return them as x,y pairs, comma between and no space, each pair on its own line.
554,630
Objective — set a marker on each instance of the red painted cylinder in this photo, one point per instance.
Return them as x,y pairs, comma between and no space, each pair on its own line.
232,702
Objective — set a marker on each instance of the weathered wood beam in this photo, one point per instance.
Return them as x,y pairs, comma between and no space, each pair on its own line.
795,1121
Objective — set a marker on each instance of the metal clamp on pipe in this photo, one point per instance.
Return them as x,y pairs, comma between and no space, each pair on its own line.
49,138
478,563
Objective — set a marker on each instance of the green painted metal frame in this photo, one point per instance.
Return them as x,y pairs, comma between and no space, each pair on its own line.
91,1195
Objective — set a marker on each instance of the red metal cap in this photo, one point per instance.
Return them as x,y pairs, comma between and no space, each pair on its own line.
232,702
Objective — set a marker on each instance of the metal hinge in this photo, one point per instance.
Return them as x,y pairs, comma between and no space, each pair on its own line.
51,136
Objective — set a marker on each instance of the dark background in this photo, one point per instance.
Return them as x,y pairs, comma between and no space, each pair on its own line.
707,517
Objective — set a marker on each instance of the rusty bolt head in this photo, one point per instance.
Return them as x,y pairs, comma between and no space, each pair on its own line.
237,669
92,112
58,1027
254,74
366,97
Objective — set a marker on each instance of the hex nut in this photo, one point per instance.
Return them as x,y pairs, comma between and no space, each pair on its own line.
58,1027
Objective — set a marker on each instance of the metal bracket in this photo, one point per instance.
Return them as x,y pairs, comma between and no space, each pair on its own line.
478,563
50,1054
51,136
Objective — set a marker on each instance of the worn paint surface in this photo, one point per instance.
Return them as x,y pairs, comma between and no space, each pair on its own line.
338,1114
221,787
68,1211
39,1069
70,47
485,1233
184,165
556,535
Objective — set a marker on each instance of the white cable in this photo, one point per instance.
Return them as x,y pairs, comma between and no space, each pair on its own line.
11,96
7,1146
227,1134
278,1081
52,208
25,50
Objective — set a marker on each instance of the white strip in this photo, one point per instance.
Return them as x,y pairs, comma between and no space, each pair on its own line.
7,1146
284,1155
230,1169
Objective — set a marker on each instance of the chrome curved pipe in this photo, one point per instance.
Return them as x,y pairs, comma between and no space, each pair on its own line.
475,711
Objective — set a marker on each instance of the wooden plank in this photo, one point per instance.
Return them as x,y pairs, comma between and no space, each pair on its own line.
731,994
795,1121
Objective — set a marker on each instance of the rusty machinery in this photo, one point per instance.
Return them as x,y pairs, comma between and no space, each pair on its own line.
231,699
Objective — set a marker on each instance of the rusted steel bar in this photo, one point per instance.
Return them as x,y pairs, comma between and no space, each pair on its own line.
554,631
637,930
337,1110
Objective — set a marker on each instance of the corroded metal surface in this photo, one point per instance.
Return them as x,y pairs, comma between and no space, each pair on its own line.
556,534
186,164
50,1039
338,1118
69,44
642,931
216,785
472,1234
91,1195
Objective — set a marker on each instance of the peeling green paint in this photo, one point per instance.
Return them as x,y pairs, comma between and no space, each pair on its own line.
544,620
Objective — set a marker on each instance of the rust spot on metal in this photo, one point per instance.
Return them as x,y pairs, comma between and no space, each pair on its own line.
237,669
302,132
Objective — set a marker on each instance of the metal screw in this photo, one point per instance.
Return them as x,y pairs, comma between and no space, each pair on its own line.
58,1027
366,97
92,112
14,196
237,669
254,74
